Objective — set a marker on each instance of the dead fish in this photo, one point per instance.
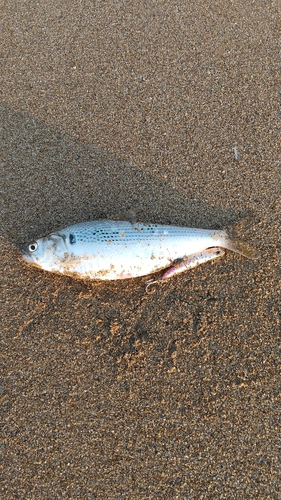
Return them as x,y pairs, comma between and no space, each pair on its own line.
193,260
111,250
189,262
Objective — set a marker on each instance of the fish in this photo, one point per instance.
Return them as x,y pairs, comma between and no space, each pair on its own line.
193,260
113,249
189,262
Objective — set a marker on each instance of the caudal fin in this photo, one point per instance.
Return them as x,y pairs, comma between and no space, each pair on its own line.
239,246
233,241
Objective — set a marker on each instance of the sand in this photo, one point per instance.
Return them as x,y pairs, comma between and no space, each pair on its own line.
108,392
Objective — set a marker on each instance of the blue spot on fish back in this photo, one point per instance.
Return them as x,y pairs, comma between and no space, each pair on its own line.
72,239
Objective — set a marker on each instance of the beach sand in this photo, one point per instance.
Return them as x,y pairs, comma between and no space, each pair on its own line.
170,109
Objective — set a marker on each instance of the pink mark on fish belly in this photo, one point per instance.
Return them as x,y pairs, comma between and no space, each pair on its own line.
124,276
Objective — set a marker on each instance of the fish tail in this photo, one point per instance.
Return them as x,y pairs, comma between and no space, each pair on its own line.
235,244
239,246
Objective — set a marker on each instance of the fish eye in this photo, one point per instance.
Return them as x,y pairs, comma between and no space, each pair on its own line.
33,246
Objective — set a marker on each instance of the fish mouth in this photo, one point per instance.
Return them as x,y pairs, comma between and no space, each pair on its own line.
27,258
25,254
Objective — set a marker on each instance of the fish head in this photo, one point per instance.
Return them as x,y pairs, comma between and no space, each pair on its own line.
47,253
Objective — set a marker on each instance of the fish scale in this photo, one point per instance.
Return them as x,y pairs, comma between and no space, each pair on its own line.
109,250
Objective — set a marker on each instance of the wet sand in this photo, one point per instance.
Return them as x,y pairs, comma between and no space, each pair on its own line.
108,392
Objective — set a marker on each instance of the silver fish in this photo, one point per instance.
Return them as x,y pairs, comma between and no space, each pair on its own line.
193,260
111,250
189,262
